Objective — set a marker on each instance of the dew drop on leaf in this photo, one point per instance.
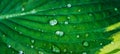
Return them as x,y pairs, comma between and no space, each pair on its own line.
78,36
23,9
40,52
20,52
20,32
3,35
68,17
84,53
79,10
66,22
68,5
9,46
32,46
53,22
32,41
115,9
101,43
60,33
15,27
55,49
85,43
65,50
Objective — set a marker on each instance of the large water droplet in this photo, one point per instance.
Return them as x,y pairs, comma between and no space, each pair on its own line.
56,49
85,43
60,33
53,22
68,5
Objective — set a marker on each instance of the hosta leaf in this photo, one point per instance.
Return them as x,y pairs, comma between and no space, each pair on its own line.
59,26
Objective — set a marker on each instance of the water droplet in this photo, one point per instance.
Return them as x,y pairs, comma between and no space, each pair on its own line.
68,5
86,35
32,46
101,43
79,10
32,41
15,27
9,46
116,9
65,50
53,22
66,22
40,52
112,42
60,33
90,14
33,11
55,49
78,36
85,43
20,52
84,53
20,32
71,51
23,9
68,17
3,35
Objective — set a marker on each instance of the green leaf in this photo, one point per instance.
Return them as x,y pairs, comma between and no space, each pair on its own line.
58,26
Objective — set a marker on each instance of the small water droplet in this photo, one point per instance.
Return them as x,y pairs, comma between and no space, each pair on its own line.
3,35
32,41
90,14
9,46
20,32
68,5
21,52
85,43
32,46
60,33
86,35
84,53
33,11
68,17
23,9
71,51
53,22
101,43
55,49
15,27
40,52
66,22
116,9
79,10
112,42
78,36
65,50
